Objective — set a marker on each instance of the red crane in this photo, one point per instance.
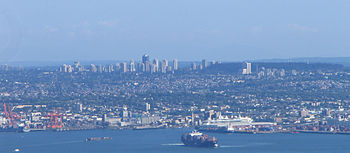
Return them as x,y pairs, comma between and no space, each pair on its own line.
5,110
55,120
9,115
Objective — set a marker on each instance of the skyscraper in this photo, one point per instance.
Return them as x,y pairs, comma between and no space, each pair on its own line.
132,66
148,66
76,64
249,68
77,67
124,67
64,68
145,59
110,68
164,66
117,67
175,64
194,66
141,67
148,107
93,68
204,63
153,68
200,66
156,64
70,69
169,69
100,68
165,62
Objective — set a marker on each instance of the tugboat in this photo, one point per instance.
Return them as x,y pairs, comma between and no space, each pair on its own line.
198,139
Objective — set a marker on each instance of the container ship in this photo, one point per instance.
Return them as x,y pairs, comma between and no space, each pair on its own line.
197,139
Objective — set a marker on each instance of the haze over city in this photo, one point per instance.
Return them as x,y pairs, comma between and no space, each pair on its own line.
227,30
199,76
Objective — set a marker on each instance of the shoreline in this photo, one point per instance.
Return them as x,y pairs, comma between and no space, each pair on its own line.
159,128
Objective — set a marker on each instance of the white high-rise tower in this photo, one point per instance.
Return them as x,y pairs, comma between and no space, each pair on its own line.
175,65
249,68
132,66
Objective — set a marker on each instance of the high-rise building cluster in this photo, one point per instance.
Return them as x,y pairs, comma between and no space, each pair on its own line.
146,65
72,68
204,64
248,69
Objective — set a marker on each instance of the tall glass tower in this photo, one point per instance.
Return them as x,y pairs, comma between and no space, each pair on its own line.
145,59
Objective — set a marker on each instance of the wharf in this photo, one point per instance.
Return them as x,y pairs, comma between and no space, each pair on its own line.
323,132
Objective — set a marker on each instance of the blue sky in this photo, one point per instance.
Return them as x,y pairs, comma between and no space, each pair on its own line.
226,30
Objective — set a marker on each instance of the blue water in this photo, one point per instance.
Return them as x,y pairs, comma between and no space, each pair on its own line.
168,141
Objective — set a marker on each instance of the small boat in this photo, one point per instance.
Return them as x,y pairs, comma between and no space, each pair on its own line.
97,139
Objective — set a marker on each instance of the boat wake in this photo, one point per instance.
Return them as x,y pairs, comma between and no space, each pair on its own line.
247,145
223,146
55,143
173,144
236,146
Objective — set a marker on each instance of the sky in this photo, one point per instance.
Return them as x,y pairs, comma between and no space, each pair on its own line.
224,30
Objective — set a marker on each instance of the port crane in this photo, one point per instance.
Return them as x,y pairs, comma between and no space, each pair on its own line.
55,120
9,115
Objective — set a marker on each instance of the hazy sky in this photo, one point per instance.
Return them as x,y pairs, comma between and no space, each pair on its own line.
227,30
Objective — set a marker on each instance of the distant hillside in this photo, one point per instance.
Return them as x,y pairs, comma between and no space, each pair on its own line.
335,60
237,68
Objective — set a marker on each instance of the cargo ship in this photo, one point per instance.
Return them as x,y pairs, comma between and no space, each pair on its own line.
97,139
197,139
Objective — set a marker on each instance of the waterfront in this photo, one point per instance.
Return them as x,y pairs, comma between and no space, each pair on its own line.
168,140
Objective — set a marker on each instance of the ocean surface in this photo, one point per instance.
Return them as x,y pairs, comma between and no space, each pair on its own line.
168,141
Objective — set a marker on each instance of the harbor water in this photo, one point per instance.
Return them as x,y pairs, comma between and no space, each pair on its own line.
168,141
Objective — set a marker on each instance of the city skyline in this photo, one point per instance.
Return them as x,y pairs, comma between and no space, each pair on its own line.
335,60
174,76
146,64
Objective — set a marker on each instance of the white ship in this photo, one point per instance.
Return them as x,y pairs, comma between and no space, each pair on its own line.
226,124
